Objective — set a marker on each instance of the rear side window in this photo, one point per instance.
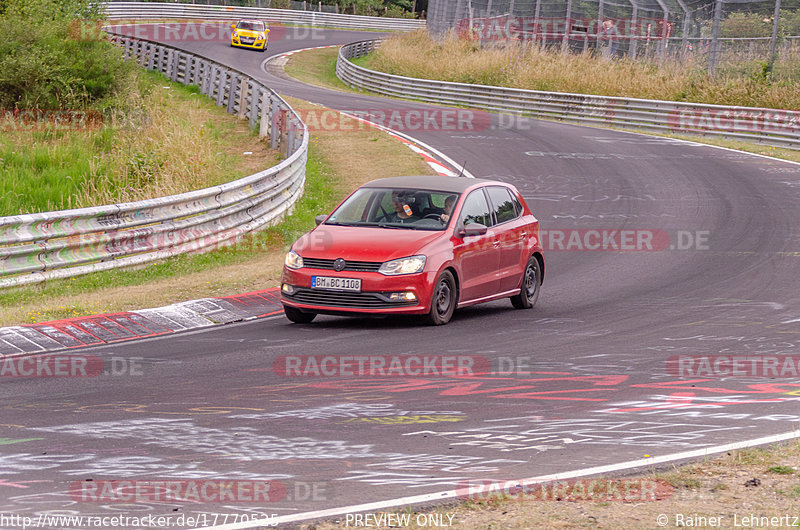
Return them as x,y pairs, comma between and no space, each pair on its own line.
506,206
476,209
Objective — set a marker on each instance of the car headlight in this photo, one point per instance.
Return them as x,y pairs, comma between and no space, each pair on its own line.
260,36
409,265
293,260
234,34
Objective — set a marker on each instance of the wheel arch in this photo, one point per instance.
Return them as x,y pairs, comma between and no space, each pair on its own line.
454,272
540,259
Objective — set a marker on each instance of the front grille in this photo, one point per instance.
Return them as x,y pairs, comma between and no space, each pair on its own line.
355,266
341,299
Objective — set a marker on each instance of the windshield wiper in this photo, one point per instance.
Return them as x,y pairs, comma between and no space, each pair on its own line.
345,224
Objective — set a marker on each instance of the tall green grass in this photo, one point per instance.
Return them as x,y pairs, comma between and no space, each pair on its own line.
45,176
179,141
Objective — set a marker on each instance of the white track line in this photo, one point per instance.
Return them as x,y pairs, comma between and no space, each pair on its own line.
454,494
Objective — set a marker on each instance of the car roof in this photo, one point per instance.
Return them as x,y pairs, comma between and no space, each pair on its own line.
250,20
429,182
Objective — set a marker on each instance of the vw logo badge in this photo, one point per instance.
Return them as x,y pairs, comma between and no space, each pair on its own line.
339,264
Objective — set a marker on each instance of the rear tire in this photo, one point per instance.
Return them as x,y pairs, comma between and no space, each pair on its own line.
444,300
297,316
531,283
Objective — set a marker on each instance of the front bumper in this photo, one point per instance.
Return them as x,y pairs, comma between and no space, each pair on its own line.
372,299
255,45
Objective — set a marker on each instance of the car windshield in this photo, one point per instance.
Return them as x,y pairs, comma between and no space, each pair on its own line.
404,208
250,25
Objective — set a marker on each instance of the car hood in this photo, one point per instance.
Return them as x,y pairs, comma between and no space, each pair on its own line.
363,243
250,33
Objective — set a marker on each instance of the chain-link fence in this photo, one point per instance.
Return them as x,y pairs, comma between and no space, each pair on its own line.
720,34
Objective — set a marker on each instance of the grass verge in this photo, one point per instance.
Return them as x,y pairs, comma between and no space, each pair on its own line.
337,163
316,67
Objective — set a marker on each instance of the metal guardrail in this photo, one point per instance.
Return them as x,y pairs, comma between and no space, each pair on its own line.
151,10
38,247
777,128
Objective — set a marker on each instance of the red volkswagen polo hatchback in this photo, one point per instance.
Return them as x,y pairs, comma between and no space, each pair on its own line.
416,246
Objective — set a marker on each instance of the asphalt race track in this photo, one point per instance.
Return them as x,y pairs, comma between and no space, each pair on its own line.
709,268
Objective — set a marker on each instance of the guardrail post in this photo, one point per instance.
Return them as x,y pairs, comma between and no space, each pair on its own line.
176,58
169,64
205,81
264,129
284,131
230,107
274,134
187,69
221,78
151,58
290,136
244,87
253,105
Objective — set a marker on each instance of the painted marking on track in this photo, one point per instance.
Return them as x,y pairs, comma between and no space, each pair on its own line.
454,494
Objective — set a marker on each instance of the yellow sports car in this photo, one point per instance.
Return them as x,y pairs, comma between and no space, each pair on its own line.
250,34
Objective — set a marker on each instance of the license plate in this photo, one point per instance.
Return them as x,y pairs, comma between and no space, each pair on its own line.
337,284
246,40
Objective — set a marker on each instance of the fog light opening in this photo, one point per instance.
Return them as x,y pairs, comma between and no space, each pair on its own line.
288,289
405,296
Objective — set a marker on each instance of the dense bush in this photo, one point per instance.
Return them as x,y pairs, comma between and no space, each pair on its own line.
46,64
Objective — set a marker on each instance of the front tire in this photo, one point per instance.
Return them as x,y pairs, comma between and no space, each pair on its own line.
297,316
531,283
444,300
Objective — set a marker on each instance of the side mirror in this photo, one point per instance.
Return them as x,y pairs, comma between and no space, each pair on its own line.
472,229
233,27
318,219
